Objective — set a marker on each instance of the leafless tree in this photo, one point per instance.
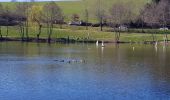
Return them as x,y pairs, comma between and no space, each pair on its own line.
1,12
150,17
7,15
120,14
141,18
100,13
22,14
163,16
52,13
86,18
86,14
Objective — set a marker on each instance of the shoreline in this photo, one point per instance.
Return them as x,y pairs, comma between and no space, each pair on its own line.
65,40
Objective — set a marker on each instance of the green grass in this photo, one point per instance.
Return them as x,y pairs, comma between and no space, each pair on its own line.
79,33
71,7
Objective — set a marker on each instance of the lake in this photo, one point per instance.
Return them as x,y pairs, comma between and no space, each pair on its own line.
39,71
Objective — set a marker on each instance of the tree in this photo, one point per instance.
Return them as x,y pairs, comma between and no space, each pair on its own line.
156,1
37,17
51,13
151,16
22,14
120,14
163,16
100,13
7,16
1,13
86,14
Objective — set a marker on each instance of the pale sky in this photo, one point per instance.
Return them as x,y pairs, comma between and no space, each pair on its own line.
35,0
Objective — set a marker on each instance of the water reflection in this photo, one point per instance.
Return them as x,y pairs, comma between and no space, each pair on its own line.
116,72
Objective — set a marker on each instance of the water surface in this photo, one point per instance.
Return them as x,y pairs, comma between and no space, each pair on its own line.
31,71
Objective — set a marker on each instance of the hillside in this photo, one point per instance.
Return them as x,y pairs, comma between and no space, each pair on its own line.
71,7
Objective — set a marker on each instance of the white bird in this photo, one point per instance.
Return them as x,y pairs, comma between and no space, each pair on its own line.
164,40
133,48
156,44
103,44
97,43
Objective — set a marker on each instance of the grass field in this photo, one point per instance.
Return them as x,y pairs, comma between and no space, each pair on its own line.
71,7
79,33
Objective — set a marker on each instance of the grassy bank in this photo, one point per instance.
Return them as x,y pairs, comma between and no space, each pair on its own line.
80,34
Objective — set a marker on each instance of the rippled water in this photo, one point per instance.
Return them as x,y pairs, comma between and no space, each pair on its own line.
31,71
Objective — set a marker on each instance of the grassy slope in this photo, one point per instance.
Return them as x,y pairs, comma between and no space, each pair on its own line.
71,7
78,32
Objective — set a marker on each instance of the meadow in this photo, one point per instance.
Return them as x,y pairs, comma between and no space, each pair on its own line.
78,7
79,33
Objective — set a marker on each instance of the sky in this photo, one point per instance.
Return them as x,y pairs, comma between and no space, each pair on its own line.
35,0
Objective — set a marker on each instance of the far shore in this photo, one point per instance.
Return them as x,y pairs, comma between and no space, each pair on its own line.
65,40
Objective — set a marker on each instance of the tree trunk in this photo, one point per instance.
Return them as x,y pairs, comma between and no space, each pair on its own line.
49,38
0,32
153,36
166,37
39,33
164,25
26,30
142,24
117,36
50,32
22,32
6,31
101,24
86,25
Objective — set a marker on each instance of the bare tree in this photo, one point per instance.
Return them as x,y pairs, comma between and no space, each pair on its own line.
86,14
52,13
1,13
163,16
151,16
22,14
100,13
141,18
120,14
7,18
